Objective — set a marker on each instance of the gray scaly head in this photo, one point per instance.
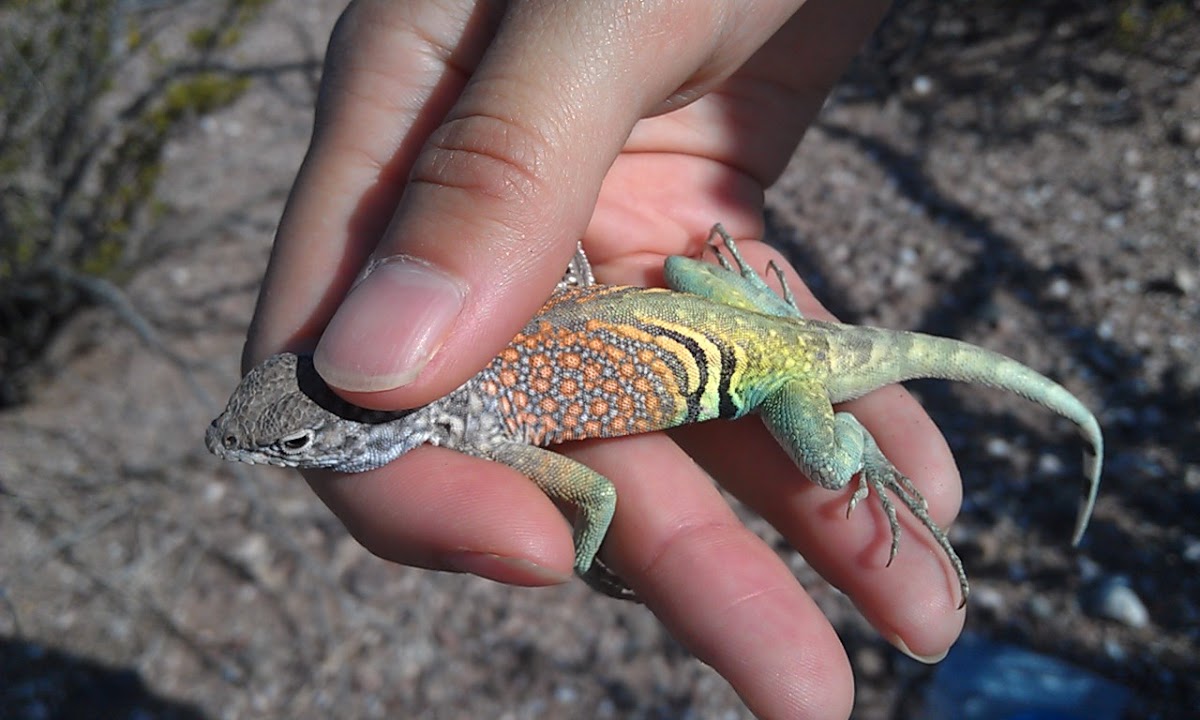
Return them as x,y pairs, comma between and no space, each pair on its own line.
283,413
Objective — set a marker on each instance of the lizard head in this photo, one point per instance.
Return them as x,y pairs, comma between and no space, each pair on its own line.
283,413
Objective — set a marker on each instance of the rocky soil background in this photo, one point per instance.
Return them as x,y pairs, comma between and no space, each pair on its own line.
1025,179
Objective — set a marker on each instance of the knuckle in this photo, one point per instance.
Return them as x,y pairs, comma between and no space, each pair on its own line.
486,156
688,538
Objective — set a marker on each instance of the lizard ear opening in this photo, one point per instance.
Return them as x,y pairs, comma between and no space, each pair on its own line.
296,442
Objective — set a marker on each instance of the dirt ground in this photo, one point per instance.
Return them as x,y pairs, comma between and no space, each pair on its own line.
1035,191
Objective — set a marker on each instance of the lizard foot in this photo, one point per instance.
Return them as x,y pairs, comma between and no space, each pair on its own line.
599,578
742,268
880,474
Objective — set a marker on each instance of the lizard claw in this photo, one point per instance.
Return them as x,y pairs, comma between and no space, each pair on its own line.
788,297
859,495
879,474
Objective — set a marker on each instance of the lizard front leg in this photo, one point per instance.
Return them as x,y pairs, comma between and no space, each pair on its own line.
590,493
831,448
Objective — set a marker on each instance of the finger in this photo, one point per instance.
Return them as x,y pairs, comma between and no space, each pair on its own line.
391,73
439,509
506,184
716,586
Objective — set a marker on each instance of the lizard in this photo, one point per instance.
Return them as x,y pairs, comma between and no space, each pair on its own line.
607,360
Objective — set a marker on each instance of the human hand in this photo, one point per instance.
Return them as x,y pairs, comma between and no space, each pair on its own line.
460,149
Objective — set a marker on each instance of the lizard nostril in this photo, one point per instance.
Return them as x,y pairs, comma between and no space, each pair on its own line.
230,442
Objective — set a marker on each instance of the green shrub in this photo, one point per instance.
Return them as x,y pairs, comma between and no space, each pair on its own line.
90,94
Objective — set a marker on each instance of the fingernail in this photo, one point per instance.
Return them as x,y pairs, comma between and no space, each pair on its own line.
515,571
927,659
389,326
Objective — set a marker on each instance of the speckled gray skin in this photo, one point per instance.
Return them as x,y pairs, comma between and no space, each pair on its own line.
284,414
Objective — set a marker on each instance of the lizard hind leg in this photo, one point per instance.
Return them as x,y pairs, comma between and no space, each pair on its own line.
734,283
832,448
591,494
881,475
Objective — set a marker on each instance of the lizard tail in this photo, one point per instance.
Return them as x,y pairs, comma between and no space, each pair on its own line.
863,359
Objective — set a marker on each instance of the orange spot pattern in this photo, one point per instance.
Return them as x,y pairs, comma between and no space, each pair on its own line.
556,383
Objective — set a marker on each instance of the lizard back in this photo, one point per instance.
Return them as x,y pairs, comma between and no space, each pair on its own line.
607,361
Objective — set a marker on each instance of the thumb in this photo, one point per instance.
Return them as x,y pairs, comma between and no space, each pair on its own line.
497,197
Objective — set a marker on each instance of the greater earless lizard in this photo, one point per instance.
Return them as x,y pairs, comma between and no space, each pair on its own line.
606,361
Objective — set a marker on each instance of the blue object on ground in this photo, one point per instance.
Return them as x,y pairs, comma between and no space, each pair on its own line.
983,680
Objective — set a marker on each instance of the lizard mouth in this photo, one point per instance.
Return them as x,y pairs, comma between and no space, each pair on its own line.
213,439
225,445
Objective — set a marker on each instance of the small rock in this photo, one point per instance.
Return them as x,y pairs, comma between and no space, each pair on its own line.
1191,550
1089,570
1049,464
1189,133
1112,598
214,492
869,662
997,447
1191,478
1114,650
986,597
1185,280
566,695
1041,607
904,277
1146,185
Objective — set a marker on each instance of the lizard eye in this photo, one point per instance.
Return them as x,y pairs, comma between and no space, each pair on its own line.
296,441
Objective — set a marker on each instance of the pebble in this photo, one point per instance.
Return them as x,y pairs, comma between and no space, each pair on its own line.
870,662
566,695
1185,281
988,598
1189,133
1113,599
1041,607
1114,650
1089,569
1146,185
1191,550
1049,464
1060,288
214,492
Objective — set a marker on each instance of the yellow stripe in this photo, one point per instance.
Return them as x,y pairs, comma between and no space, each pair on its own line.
711,359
